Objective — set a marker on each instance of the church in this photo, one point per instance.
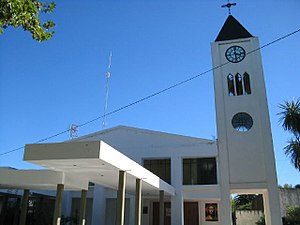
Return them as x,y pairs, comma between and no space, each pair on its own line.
129,175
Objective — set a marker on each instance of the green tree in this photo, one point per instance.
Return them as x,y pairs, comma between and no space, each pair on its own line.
290,121
287,186
244,202
26,14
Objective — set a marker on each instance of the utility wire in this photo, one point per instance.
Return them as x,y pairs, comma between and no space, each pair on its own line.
154,94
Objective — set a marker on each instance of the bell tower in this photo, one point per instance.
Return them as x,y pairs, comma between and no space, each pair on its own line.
246,156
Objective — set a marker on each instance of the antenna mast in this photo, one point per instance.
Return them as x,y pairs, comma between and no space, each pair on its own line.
73,131
106,90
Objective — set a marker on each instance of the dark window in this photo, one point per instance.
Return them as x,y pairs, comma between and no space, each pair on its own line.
230,82
160,167
247,87
239,84
199,171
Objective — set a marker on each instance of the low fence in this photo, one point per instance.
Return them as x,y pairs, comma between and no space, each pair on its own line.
248,217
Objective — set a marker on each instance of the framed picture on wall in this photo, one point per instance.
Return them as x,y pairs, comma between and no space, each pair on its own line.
211,212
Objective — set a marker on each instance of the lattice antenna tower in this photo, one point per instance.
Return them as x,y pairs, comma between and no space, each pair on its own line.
106,90
73,131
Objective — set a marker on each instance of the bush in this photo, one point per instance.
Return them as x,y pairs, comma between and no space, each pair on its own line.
293,212
292,216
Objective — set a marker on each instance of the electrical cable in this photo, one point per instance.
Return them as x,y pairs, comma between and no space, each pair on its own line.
154,94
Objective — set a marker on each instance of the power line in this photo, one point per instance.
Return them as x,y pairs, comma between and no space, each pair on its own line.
274,41
154,94
39,141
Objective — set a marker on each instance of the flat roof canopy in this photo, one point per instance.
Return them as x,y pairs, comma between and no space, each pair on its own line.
39,180
96,161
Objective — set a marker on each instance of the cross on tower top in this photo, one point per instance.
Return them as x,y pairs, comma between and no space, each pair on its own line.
228,5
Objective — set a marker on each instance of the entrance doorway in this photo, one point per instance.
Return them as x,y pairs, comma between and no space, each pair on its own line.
191,213
247,208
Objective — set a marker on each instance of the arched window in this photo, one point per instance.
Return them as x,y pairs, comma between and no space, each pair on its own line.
239,84
247,86
230,82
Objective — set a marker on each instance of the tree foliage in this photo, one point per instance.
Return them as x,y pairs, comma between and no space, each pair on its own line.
286,186
292,217
293,214
290,121
293,151
244,202
290,116
26,14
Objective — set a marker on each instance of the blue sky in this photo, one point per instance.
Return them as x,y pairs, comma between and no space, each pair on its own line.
45,87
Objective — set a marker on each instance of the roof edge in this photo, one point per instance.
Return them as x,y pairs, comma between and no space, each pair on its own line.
142,130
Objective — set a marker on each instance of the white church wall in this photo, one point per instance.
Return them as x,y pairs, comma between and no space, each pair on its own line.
138,143
146,212
98,216
191,192
110,212
141,144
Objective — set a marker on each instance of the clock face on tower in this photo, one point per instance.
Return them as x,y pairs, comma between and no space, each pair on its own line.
235,54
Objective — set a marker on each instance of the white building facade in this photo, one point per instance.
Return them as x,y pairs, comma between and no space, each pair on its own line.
188,164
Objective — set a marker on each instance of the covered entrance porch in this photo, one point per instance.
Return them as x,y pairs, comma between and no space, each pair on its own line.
100,163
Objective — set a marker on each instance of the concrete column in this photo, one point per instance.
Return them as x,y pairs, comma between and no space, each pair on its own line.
161,208
24,206
138,201
82,207
272,207
121,198
4,205
177,209
58,203
223,180
17,213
